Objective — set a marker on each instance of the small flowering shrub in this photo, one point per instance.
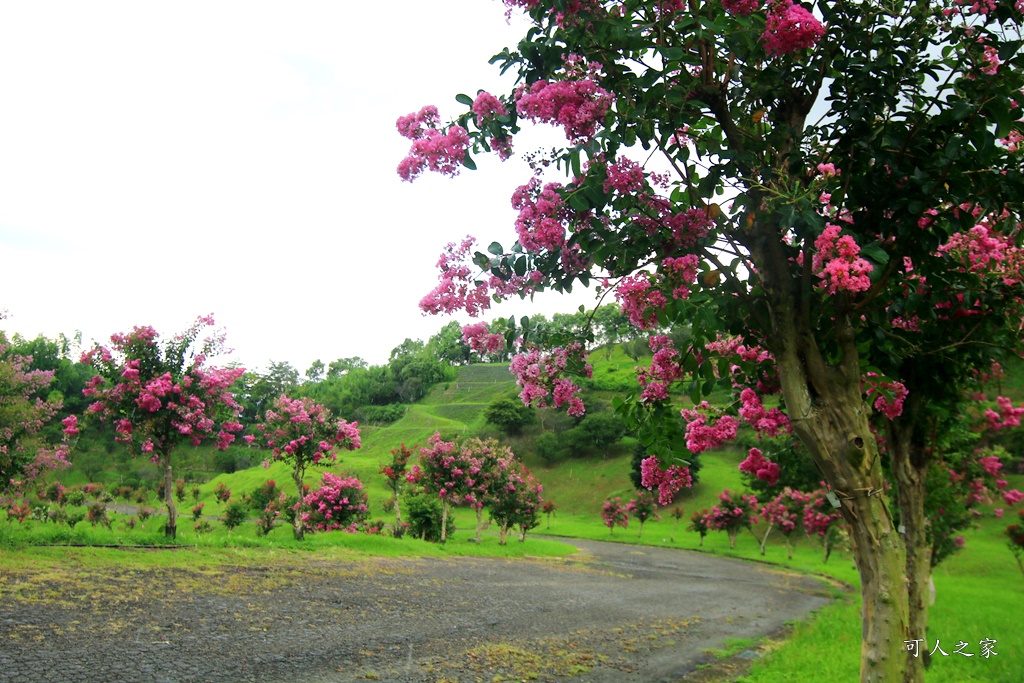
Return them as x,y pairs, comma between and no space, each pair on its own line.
699,524
203,527
179,490
734,513
222,493
144,513
267,519
97,514
197,511
259,498
75,496
234,515
339,503
20,511
614,513
784,514
822,520
643,507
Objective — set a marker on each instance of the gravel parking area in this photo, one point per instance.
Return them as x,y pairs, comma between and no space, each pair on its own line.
614,613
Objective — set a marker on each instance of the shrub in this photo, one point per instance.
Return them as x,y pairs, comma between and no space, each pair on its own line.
234,515
509,415
339,503
97,514
264,495
423,512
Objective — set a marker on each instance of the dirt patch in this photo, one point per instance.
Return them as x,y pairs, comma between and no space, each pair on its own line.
612,614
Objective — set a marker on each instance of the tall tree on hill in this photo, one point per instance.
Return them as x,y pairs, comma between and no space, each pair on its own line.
868,159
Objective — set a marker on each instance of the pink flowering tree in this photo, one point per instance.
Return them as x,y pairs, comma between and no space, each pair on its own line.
515,501
454,474
843,216
823,519
733,513
160,394
23,457
394,474
643,508
304,434
614,513
784,514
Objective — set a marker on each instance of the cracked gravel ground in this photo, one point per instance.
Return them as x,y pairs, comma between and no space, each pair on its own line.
613,613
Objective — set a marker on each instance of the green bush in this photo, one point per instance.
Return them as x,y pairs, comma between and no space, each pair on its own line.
423,515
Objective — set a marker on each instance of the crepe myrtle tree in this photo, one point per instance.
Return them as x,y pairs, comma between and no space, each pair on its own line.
23,457
838,182
303,433
159,394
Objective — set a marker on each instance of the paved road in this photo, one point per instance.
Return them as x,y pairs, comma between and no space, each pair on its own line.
616,613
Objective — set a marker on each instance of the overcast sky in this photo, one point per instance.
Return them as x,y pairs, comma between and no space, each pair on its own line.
160,161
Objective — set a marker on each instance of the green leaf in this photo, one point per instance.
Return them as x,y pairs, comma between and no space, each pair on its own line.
468,162
876,253
464,99
496,249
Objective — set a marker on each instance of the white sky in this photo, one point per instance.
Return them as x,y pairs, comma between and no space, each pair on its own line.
159,161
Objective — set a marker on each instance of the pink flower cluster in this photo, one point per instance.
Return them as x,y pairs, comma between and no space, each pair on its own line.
539,374
891,408
614,513
339,503
785,510
453,472
303,431
983,250
640,299
457,290
819,515
486,106
579,106
701,436
664,370
482,340
788,28
761,467
741,7
431,149
734,512
768,423
837,262
1006,416
543,216
184,400
669,482
624,176
641,295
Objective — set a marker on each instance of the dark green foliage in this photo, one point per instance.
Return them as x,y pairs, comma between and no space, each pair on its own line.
264,495
509,415
231,460
234,514
423,514
594,434
548,447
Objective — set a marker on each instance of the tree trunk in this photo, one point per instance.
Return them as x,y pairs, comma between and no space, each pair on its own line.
444,521
909,465
298,528
480,522
767,533
829,415
171,528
